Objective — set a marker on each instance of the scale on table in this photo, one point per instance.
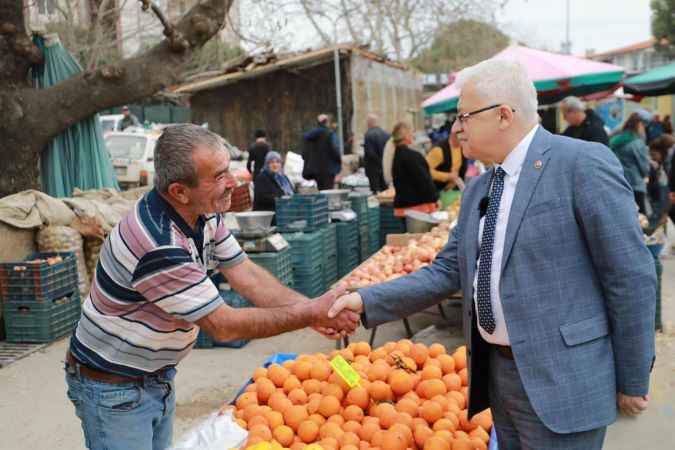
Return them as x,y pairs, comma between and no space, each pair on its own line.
339,206
256,235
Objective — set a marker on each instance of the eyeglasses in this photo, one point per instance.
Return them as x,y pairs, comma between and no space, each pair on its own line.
465,116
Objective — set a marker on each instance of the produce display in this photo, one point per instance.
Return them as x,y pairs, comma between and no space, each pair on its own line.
394,261
408,396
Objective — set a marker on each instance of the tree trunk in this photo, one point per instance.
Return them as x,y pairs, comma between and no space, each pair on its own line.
30,118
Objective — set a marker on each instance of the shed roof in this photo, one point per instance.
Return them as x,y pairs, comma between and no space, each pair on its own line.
251,67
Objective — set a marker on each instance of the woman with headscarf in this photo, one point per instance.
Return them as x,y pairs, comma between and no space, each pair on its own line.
270,184
629,146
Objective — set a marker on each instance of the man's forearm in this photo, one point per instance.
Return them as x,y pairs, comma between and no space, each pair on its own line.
227,324
265,291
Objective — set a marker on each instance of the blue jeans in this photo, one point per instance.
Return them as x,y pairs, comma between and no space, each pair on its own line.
131,416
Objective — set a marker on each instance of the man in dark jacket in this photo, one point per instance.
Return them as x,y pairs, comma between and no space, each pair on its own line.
583,123
373,148
257,152
321,154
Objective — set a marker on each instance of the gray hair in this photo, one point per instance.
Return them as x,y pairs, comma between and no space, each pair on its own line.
572,103
173,154
503,82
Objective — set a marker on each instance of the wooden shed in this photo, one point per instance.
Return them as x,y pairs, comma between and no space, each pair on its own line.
285,95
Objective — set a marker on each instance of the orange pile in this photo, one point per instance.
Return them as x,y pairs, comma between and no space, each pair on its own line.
410,397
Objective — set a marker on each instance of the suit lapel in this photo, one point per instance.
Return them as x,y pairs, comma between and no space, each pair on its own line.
534,166
473,225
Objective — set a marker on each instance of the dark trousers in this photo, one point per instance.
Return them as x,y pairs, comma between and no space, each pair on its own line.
375,178
640,200
517,424
325,181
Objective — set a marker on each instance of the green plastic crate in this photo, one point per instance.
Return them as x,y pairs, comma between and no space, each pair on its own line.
26,282
41,322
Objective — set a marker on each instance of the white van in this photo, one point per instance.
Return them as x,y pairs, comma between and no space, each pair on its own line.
132,157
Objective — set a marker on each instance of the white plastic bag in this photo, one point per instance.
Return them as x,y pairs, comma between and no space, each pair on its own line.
219,431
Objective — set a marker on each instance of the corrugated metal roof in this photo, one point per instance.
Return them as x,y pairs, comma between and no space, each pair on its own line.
627,49
300,60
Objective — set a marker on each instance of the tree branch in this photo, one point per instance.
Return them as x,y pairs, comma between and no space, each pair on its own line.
130,80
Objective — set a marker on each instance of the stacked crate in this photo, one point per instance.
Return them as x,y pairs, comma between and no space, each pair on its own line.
41,301
348,253
279,264
308,261
359,202
373,229
330,258
302,212
389,223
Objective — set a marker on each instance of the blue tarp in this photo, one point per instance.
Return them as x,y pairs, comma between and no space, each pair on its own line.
77,158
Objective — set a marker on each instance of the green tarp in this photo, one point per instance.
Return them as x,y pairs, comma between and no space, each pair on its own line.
77,158
652,83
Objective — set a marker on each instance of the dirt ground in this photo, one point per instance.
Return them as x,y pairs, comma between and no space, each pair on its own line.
35,414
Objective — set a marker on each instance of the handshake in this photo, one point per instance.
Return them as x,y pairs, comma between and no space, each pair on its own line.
335,314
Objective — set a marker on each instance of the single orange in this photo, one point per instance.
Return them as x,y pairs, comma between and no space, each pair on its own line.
407,405
436,443
460,358
262,431
421,434
298,396
320,371
353,412
308,431
419,353
431,411
436,349
259,373
447,363
295,415
367,430
329,406
431,373
352,425
245,399
333,390
394,440
311,386
380,391
284,435
274,419
277,374
453,382
358,396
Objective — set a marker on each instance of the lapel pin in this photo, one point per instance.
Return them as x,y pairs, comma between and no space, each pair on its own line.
538,164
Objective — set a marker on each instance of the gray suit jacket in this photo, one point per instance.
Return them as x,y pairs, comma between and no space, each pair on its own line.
578,285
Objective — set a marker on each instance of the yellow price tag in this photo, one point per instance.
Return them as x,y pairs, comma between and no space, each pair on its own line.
345,371
260,446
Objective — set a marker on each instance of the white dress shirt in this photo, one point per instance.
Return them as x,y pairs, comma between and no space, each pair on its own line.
512,165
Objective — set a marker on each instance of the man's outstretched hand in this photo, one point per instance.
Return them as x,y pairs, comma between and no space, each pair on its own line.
340,324
350,302
631,405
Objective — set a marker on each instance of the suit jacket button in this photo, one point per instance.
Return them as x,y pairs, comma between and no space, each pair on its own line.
468,352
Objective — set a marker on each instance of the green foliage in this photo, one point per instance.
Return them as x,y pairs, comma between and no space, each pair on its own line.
663,25
461,44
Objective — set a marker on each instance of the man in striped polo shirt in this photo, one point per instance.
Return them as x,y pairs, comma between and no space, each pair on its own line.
152,292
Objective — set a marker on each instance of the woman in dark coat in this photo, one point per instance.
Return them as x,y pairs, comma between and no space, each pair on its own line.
415,190
270,184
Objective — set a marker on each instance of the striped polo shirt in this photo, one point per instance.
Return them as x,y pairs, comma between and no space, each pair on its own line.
151,285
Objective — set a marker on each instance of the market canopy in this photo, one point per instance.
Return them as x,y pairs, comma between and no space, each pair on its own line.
555,77
652,83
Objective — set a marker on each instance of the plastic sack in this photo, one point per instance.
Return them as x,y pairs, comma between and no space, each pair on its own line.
217,432
293,167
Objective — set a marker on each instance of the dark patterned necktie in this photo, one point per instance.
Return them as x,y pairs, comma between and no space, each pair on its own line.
485,317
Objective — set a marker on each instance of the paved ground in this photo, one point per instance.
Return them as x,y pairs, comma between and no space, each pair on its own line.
35,415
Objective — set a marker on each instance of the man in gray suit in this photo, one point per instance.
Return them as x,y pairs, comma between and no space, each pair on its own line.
559,288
